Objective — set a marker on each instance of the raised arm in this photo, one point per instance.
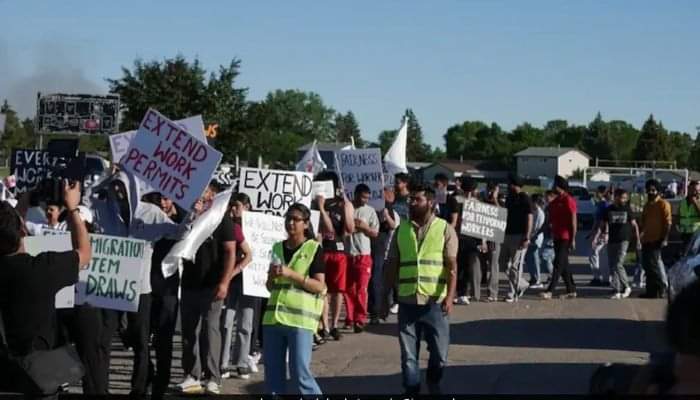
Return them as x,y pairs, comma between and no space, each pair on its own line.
78,231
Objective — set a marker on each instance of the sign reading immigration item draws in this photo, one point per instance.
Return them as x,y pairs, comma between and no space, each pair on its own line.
484,221
363,166
170,159
261,231
273,191
115,274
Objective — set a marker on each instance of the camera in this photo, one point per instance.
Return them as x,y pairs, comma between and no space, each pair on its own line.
70,165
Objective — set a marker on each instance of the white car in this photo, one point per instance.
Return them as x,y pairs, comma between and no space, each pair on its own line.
585,205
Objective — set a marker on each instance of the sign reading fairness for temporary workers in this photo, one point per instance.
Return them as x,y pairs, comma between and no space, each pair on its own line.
363,166
261,231
170,159
484,221
273,191
115,274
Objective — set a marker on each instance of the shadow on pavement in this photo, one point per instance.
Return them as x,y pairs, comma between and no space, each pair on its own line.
526,378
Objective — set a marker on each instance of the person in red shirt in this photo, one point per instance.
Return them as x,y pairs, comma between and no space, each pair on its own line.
562,219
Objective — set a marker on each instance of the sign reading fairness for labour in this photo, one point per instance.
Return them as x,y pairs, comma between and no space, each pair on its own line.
484,221
273,191
363,166
171,160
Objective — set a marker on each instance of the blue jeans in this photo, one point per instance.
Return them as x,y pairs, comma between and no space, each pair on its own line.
422,322
279,338
547,258
532,261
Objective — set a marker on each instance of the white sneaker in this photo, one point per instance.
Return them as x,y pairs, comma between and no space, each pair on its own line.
461,300
394,309
616,296
226,375
626,293
191,386
213,388
252,364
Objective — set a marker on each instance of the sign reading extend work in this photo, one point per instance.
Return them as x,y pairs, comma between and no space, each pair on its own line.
170,159
273,191
484,221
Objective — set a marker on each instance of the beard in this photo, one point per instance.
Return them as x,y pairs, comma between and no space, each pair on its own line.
418,212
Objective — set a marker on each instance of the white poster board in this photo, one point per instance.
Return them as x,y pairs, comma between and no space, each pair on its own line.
324,188
33,245
119,143
363,166
261,231
273,191
171,160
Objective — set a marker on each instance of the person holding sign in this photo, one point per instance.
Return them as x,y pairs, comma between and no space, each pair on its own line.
28,286
423,261
296,282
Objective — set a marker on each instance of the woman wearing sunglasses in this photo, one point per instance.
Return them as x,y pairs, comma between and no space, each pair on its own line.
297,288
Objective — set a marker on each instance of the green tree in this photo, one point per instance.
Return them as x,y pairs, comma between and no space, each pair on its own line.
653,143
385,139
621,140
347,129
694,159
526,135
681,148
460,139
596,139
416,149
17,135
179,89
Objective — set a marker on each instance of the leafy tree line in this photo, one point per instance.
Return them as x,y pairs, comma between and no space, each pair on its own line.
277,125
607,140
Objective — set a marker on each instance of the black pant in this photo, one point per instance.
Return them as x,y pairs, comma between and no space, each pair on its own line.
138,331
163,319
561,267
93,338
651,257
468,269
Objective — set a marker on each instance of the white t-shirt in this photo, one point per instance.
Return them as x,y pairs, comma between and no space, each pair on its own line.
360,244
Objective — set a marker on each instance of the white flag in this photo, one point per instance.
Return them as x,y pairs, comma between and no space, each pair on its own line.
203,227
395,157
312,161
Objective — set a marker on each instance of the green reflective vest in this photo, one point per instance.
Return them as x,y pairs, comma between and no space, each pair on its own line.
689,218
289,304
421,268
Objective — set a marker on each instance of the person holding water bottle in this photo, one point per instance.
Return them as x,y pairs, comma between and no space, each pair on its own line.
297,288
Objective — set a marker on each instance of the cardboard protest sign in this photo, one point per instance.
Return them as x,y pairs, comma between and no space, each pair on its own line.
119,143
113,279
484,221
33,245
261,232
170,159
273,191
31,167
324,188
363,166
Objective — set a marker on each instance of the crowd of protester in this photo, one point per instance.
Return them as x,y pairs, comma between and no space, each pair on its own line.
342,272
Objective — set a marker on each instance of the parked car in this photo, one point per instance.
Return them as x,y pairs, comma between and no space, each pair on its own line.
585,205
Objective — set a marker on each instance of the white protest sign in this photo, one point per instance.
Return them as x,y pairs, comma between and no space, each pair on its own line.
315,220
115,274
273,191
33,245
324,188
261,232
54,232
363,166
119,142
170,159
484,221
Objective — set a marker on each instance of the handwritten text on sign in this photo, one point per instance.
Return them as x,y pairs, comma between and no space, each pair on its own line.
363,166
261,232
272,191
31,167
113,279
484,221
170,159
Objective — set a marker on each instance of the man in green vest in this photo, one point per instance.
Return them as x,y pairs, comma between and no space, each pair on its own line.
423,259
689,212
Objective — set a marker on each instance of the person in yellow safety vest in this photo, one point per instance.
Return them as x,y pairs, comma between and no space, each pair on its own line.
297,288
689,212
423,259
